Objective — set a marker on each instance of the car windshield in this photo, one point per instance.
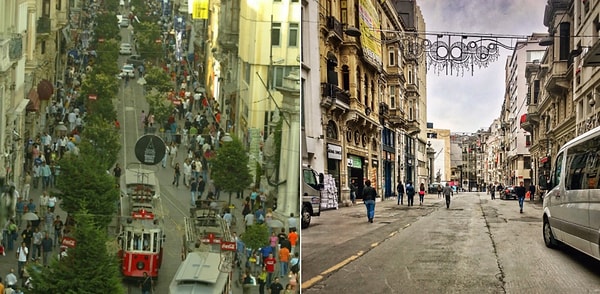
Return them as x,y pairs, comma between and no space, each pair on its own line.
125,45
128,67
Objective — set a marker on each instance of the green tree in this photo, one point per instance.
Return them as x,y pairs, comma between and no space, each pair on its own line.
104,141
158,79
147,33
107,26
95,189
88,268
160,106
230,167
256,236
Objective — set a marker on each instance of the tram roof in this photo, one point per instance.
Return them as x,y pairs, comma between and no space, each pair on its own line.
199,273
141,176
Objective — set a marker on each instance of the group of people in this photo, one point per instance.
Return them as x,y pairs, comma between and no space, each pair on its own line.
269,265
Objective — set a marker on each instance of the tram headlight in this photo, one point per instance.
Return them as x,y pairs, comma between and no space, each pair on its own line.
140,265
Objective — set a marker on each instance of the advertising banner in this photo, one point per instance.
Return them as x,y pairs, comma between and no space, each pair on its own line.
370,37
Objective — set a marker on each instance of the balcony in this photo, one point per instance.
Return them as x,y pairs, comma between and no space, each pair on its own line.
412,89
15,48
533,113
333,96
396,118
412,127
43,25
526,123
5,62
558,80
335,28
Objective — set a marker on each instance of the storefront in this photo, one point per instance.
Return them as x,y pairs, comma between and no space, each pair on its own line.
388,170
334,156
356,172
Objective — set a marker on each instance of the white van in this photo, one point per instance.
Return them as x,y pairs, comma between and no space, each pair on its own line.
572,205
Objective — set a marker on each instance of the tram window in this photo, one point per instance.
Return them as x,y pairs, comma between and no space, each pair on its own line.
137,242
155,243
129,241
146,242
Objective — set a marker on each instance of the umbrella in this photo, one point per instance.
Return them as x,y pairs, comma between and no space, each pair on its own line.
275,223
30,216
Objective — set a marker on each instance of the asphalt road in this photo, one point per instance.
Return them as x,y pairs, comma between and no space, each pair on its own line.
477,246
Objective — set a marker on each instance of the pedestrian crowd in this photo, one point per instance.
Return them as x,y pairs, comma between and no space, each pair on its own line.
267,267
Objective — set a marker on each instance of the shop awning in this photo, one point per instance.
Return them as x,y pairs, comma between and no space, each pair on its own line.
45,89
34,101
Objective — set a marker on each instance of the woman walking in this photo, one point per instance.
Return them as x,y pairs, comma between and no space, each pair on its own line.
176,175
421,193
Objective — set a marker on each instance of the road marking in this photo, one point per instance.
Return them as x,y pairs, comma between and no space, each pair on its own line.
374,244
319,277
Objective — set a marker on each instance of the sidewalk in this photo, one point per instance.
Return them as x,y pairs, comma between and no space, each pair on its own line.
9,261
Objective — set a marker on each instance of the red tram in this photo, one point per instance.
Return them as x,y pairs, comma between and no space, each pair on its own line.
141,225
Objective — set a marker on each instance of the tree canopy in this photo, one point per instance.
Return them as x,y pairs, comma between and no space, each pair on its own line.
87,268
256,236
94,190
230,167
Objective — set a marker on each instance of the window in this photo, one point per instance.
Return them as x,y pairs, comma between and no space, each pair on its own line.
46,8
345,78
276,34
565,41
410,75
582,167
247,72
279,72
293,35
332,132
392,97
392,55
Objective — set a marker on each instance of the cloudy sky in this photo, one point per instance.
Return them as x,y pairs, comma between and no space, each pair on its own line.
466,103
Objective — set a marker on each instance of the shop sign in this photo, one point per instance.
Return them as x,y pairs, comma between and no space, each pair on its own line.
354,161
374,162
334,151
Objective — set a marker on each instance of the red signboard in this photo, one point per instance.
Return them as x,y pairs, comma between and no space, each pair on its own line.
93,96
210,239
228,246
68,242
142,214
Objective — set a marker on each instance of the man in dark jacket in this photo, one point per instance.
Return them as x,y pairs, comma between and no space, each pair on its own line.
369,195
520,191
410,193
400,189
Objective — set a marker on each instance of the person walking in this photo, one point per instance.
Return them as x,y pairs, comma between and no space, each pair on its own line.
400,190
193,189
146,284
369,195
410,193
177,174
531,192
439,190
353,189
47,244
520,191
421,193
448,192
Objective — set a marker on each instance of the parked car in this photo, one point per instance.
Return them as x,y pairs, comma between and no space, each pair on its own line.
433,187
124,22
136,60
127,70
572,205
509,193
125,49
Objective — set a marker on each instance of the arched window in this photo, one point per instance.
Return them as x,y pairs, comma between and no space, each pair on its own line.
332,131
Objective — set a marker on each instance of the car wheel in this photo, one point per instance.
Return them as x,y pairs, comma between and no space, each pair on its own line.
548,235
306,217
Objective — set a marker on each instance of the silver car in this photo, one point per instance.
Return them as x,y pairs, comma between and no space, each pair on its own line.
125,49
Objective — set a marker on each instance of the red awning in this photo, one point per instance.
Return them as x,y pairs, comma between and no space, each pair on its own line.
544,159
34,101
45,89
524,118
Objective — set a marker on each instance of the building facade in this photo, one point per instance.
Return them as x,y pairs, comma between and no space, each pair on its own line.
372,105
